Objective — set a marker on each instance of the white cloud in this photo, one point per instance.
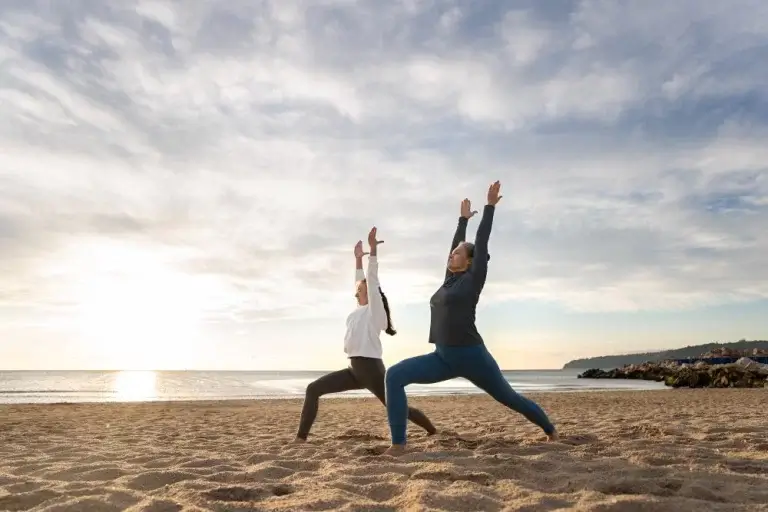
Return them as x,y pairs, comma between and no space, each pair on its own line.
250,145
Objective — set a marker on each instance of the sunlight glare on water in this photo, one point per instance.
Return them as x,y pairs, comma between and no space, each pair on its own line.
132,386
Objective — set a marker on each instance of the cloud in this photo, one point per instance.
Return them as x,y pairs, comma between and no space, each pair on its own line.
248,145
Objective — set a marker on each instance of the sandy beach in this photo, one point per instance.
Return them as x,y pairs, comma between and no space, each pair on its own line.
683,450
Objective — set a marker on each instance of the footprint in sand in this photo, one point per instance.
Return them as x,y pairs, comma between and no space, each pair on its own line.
27,468
369,450
546,504
246,493
160,463
258,458
204,463
95,475
635,484
578,439
26,500
379,492
89,504
161,506
754,467
227,477
298,465
7,480
471,501
156,479
458,442
699,492
270,472
662,460
449,476
358,435
141,459
24,487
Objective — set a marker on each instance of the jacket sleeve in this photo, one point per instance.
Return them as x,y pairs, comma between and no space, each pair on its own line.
479,268
459,236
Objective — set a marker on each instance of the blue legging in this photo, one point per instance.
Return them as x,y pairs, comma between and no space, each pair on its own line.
474,363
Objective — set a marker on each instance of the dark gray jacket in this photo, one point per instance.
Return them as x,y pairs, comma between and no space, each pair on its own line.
453,305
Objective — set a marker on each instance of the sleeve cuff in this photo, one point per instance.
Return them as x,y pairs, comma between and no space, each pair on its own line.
359,274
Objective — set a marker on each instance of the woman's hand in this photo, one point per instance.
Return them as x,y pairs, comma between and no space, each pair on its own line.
359,250
493,193
372,242
466,209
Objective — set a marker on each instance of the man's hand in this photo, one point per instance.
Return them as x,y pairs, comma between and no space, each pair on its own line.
466,209
493,193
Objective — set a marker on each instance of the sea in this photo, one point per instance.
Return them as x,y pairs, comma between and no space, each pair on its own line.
18,387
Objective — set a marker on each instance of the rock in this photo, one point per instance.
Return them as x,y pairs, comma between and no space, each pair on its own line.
749,364
745,373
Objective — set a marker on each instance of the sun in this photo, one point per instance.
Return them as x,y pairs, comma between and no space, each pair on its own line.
134,310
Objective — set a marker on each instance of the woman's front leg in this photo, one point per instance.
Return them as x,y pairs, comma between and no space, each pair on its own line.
426,369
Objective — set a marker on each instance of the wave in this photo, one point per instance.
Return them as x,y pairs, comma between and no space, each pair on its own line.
168,386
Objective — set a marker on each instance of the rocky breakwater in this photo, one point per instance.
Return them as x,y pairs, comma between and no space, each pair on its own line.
744,373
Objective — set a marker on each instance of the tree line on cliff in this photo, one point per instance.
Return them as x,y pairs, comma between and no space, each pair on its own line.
692,351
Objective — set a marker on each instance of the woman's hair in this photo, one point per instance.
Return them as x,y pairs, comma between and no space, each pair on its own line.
389,330
470,248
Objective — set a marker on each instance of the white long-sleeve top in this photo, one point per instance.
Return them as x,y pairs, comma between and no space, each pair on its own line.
366,322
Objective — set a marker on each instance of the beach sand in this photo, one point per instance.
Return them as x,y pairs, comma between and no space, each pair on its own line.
670,450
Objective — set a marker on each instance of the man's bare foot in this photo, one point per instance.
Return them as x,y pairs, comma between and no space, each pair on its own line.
299,440
395,450
554,436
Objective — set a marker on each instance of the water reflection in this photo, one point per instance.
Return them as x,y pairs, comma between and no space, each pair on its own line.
135,386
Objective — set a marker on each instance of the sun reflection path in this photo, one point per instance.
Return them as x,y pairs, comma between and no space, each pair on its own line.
135,386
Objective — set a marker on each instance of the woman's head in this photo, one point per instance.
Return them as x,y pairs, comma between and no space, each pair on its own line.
460,258
361,293
362,299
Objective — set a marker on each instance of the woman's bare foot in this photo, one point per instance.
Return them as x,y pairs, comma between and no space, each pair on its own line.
554,436
395,450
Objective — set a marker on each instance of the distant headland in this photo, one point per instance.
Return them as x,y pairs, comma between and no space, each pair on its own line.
741,347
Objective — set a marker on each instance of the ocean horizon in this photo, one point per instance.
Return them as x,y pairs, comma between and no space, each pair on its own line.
76,386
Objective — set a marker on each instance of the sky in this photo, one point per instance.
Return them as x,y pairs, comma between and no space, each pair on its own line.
182,183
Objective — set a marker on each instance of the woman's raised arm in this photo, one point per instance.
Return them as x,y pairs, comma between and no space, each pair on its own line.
461,229
375,302
479,268
359,274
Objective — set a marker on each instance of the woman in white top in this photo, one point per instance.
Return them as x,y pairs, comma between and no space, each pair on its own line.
361,343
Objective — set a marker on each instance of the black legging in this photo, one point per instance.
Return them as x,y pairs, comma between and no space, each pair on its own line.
363,373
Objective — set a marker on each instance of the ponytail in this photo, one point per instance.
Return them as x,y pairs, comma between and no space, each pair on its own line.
389,330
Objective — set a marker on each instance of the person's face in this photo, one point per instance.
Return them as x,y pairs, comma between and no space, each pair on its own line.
361,293
458,261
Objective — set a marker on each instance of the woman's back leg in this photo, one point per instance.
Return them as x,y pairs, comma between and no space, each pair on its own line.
483,371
